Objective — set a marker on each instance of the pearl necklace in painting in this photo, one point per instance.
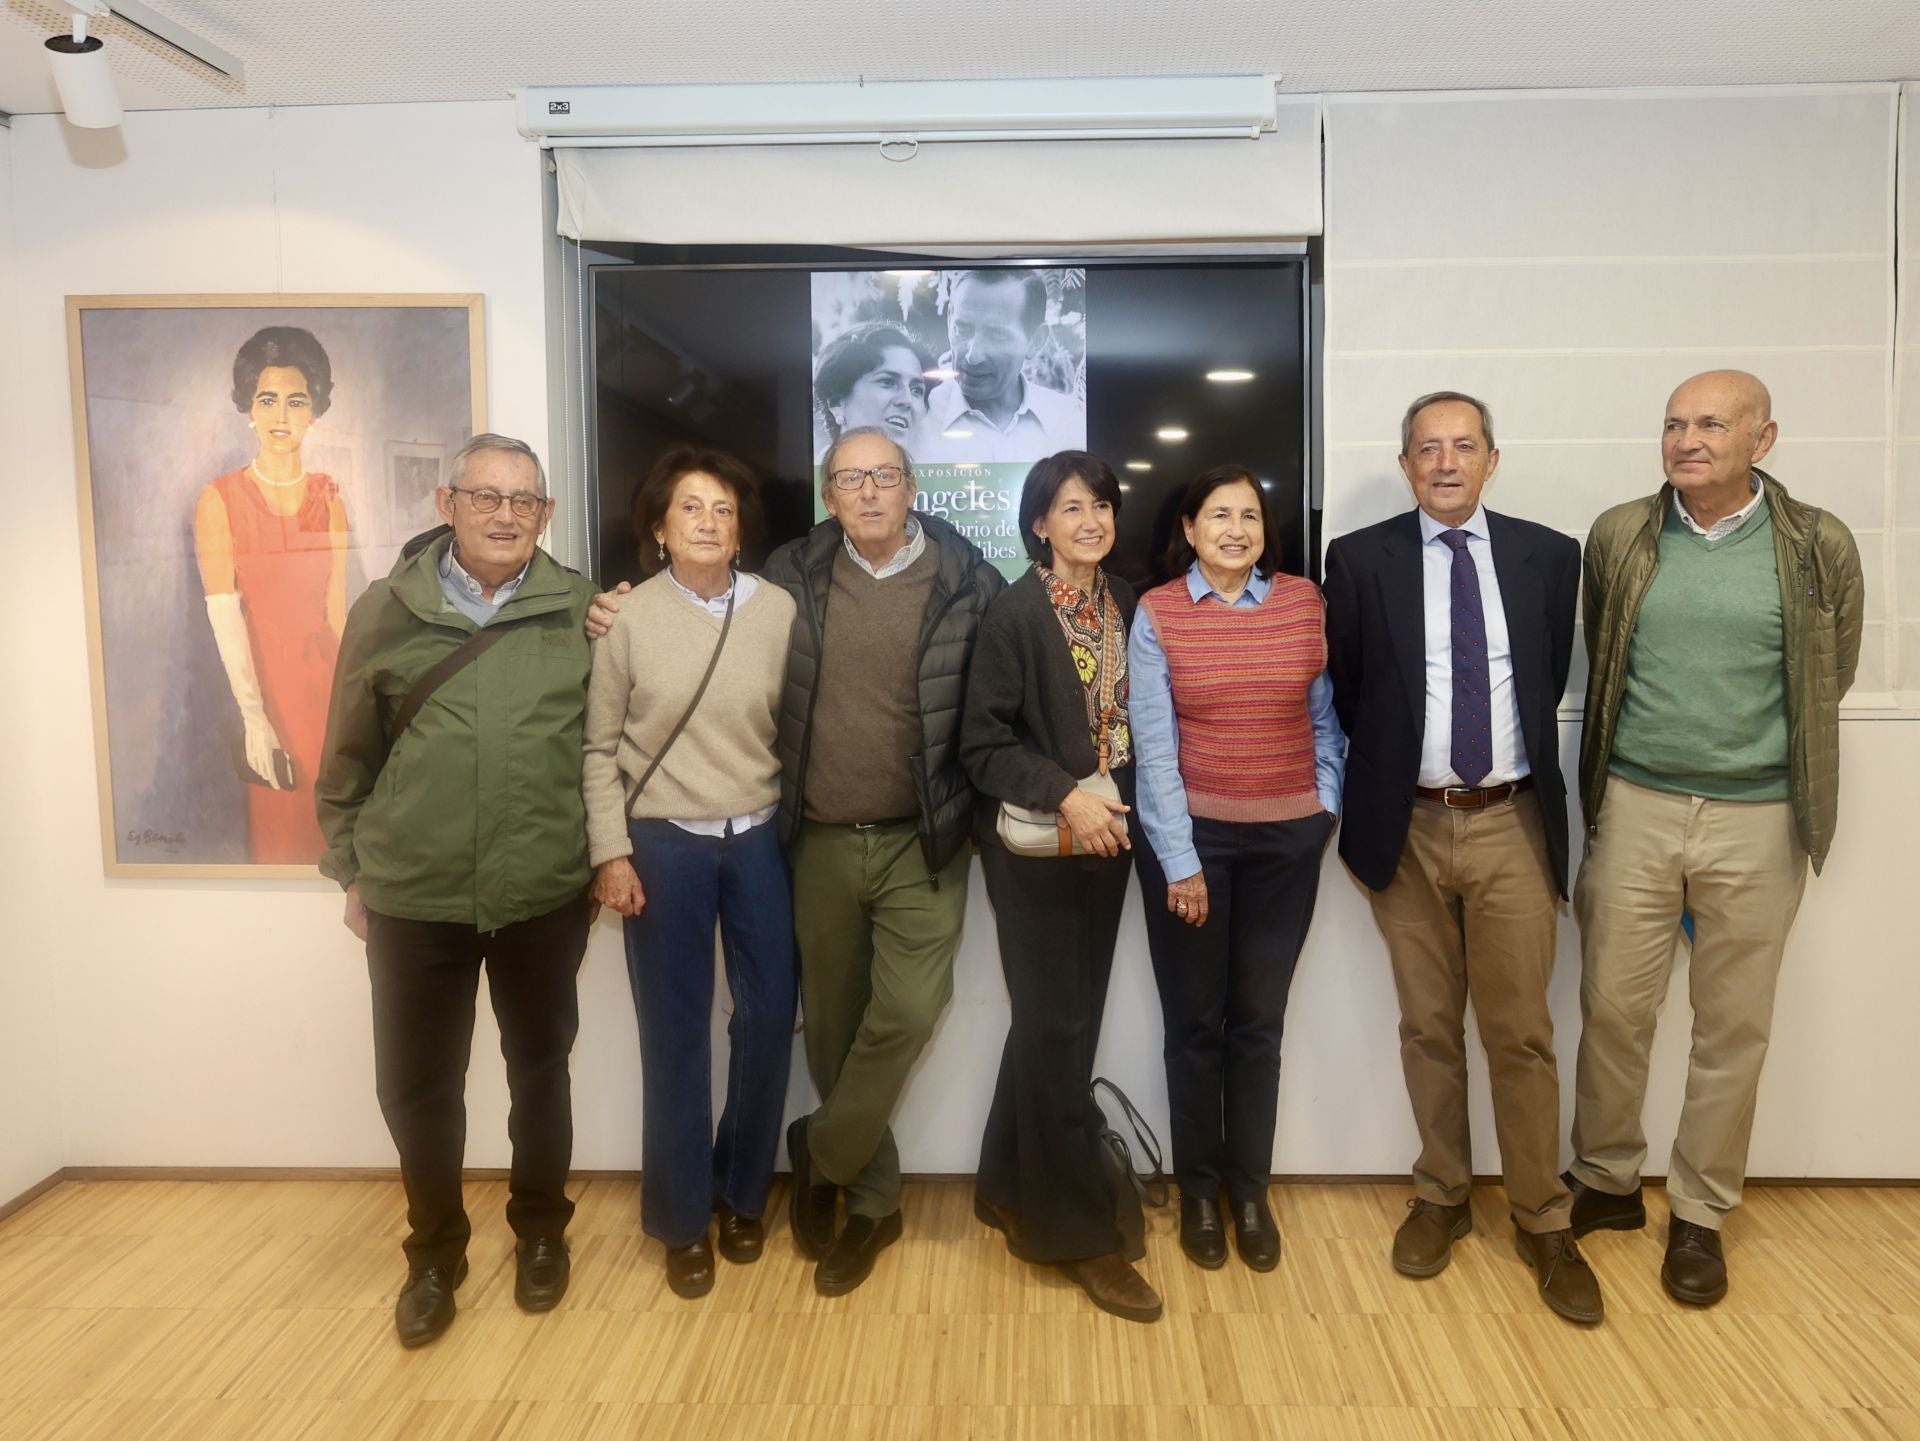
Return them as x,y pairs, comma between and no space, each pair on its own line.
254,466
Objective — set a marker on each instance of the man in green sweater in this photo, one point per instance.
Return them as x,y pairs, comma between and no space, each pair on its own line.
1723,627
449,794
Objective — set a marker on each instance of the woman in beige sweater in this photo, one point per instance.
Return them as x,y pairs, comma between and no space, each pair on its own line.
679,826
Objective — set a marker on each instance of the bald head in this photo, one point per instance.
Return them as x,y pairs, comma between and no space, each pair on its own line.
1719,425
1733,392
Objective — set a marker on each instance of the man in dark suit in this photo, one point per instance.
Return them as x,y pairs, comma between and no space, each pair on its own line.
1449,631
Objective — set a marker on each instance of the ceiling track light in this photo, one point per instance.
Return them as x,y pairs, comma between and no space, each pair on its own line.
79,60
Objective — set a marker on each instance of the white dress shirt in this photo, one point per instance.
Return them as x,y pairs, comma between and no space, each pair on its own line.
1436,574
1046,421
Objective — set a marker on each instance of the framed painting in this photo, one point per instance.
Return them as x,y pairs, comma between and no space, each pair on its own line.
246,464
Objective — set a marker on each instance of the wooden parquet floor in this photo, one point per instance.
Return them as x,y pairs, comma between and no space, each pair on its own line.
169,1311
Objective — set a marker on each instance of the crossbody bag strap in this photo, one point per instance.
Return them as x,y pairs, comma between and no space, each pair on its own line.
713,663
440,672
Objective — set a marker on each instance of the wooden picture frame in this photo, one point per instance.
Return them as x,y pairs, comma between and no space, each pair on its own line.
309,517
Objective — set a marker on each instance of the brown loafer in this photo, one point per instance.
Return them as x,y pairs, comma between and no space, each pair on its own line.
1424,1243
1695,1270
741,1238
1567,1282
690,1269
1115,1287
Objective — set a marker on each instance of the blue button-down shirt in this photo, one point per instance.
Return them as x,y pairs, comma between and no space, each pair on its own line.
1156,734
467,595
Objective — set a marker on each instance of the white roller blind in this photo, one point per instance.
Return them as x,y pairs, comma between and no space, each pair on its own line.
1903,558
1571,257
1012,193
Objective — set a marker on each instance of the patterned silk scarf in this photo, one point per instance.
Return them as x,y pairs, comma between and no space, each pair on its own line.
1097,640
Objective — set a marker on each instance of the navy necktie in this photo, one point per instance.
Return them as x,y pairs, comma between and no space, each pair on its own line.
1472,691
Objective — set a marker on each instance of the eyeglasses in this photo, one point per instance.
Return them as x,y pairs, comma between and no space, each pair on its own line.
884,476
486,502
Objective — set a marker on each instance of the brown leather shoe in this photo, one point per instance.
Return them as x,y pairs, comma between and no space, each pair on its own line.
1567,1282
1695,1270
1006,1222
690,1269
1424,1243
741,1238
1115,1287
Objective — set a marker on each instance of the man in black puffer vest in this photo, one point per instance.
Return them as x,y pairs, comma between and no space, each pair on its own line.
875,812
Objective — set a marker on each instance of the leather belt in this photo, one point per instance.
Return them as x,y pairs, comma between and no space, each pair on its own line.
1472,798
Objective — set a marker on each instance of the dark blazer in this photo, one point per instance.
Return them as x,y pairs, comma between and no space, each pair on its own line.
1377,655
1024,735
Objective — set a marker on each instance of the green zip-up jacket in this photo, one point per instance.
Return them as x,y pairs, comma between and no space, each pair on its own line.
475,815
1821,601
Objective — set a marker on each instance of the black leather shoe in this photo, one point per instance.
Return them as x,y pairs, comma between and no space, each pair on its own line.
849,1261
425,1308
1695,1270
1601,1210
540,1275
809,1206
690,1269
742,1238
1256,1234
1202,1236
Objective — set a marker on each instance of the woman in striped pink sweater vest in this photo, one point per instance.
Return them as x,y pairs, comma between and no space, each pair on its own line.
1240,761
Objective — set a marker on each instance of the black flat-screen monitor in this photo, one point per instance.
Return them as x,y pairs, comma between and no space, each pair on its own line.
1163,369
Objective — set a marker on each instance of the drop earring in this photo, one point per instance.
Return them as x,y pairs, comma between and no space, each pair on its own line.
663,550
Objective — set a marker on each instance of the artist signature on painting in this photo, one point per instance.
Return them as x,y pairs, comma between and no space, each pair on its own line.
157,838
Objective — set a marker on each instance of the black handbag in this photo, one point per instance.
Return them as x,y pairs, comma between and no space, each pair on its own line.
1131,1190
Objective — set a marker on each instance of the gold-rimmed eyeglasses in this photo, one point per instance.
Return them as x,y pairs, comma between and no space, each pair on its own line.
486,502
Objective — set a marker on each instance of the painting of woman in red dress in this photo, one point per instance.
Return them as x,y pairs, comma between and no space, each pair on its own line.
271,542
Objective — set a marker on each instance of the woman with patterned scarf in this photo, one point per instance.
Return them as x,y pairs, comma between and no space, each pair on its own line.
1046,732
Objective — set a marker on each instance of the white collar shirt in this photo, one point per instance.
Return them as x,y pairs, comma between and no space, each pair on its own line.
902,558
1727,524
1045,422
1436,575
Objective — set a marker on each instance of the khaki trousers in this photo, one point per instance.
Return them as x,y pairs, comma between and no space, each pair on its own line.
877,935
1471,912
1738,867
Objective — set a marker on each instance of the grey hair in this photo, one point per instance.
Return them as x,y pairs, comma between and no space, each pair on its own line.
1435,398
826,461
487,440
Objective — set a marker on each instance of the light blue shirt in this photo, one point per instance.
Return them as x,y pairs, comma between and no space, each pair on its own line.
1156,734
1436,578
466,594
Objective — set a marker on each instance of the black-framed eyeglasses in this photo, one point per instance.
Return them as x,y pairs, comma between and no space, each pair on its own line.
486,502
886,477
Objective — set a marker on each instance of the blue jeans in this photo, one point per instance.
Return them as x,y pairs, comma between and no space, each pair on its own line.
690,882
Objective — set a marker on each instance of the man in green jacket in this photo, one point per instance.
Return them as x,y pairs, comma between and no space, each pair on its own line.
1723,626
450,798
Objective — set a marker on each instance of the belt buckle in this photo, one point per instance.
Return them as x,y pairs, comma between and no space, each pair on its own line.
1447,795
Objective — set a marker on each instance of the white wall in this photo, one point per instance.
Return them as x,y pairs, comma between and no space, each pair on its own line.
31,1148
201,1024
1570,258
